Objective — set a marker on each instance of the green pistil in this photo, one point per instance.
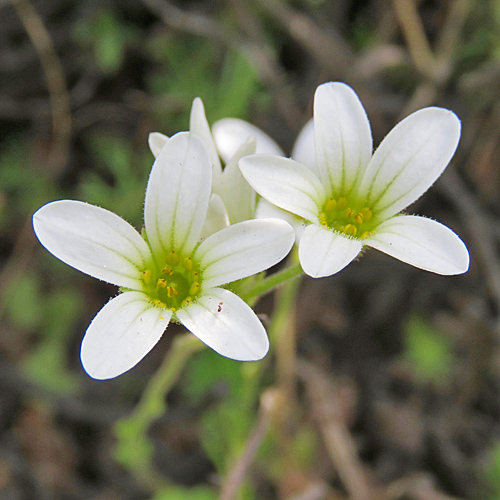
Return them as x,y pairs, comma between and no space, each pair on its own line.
175,285
348,217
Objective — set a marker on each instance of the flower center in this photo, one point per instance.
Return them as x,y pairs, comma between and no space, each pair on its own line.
348,217
175,285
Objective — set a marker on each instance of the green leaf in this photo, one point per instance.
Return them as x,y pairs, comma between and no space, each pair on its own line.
185,493
47,364
209,370
428,350
23,302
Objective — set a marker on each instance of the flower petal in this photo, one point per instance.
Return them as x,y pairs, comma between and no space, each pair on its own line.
409,160
243,249
199,125
239,197
304,149
285,183
121,334
266,210
423,243
343,137
156,142
227,324
230,133
217,218
323,252
92,240
177,195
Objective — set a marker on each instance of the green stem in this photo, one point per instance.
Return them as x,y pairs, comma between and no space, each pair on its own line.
270,283
133,448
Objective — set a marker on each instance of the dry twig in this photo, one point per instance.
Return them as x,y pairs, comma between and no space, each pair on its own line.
56,83
268,404
328,409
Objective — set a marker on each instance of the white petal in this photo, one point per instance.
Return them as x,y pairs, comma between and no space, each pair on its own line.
92,240
121,334
285,183
228,325
230,133
410,159
243,249
217,217
423,243
239,197
266,210
156,142
177,195
304,149
323,252
199,125
343,137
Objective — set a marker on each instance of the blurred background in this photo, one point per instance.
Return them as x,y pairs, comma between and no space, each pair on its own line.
394,390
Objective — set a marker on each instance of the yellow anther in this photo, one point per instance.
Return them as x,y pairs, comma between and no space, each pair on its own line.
195,288
172,258
147,276
322,219
367,214
159,303
350,229
358,218
186,301
350,212
161,283
171,291
341,203
167,271
187,263
330,205
364,235
195,277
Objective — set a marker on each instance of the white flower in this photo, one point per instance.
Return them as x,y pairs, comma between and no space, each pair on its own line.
350,199
233,200
168,274
230,133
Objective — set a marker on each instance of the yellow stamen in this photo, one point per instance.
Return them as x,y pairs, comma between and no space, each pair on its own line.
330,205
195,277
167,271
195,288
322,218
341,203
358,218
186,301
147,276
367,214
172,258
162,283
171,291
159,303
349,212
364,235
350,229
187,263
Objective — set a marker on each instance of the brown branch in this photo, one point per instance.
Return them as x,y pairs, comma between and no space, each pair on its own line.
437,68
415,37
268,404
259,54
328,48
54,77
478,227
328,407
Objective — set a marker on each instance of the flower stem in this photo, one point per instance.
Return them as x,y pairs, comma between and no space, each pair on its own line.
134,449
270,283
